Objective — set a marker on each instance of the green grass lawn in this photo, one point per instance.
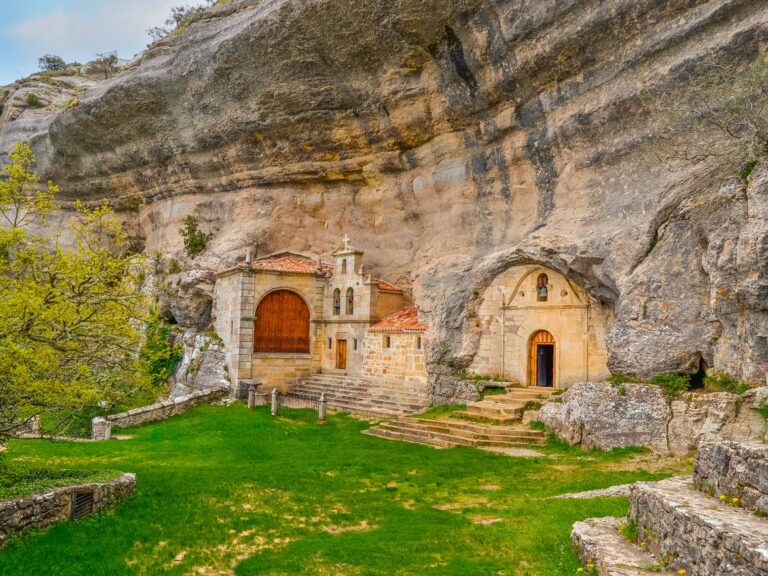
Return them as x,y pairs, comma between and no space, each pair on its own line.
222,490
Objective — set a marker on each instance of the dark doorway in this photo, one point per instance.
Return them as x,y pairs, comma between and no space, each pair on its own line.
545,365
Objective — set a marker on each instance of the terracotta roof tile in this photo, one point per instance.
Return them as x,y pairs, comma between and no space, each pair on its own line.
405,320
290,263
385,286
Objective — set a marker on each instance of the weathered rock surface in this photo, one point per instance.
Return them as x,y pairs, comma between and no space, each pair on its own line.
607,416
736,470
451,139
203,365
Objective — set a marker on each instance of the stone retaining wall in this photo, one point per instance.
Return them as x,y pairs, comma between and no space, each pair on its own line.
736,470
615,416
101,428
43,510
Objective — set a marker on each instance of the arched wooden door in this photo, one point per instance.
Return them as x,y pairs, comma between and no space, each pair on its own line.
281,324
541,360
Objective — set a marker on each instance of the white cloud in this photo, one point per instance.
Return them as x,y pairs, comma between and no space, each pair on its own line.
86,27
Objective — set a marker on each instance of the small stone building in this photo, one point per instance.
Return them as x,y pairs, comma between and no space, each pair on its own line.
287,316
540,329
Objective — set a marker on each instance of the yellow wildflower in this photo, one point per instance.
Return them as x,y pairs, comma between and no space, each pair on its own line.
735,500
579,569
722,497
681,572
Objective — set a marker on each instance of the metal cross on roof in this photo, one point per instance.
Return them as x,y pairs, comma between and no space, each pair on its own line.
346,242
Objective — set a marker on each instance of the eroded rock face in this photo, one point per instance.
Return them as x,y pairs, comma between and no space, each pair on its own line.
606,416
451,140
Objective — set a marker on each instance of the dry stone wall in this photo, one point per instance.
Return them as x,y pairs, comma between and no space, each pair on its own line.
43,510
607,416
735,470
101,428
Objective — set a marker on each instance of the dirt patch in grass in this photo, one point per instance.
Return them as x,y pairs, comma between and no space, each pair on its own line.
654,463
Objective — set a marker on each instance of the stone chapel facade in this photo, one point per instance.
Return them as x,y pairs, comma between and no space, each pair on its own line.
539,329
288,316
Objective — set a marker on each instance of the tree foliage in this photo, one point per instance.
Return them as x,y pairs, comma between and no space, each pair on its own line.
51,62
195,241
179,16
105,64
69,312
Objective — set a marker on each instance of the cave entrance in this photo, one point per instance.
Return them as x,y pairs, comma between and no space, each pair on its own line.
541,368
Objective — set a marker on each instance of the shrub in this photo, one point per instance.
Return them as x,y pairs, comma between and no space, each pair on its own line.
722,382
33,101
537,425
672,384
747,169
195,241
161,352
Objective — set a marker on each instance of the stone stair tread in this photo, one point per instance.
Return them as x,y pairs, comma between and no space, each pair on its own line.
499,419
404,437
494,433
461,439
600,542
685,518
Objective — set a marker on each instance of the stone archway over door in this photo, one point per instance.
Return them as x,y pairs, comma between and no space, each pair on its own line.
541,360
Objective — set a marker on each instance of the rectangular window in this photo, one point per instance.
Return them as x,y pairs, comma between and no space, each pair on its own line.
387,342
418,342
354,343
330,344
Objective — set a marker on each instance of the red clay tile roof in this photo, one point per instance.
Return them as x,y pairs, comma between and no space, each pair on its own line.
291,263
385,286
405,320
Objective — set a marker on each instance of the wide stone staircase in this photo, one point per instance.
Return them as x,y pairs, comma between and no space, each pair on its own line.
711,524
507,408
492,423
364,396
451,432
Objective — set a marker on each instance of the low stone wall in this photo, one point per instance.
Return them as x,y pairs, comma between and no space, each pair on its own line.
42,510
101,428
736,470
609,416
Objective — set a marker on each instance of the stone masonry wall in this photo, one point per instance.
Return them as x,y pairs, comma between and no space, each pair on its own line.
402,362
101,428
43,510
736,470
607,416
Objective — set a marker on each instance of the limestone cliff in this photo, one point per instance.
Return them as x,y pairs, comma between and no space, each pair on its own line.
451,139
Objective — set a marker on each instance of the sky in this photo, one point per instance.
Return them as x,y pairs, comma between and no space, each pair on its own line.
74,30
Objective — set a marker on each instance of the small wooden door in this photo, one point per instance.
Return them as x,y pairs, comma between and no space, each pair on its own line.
341,354
541,360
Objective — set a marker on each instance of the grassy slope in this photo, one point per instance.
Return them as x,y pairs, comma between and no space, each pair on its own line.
237,492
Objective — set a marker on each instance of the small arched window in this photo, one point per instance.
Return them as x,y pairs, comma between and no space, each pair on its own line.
336,302
344,266
350,301
542,288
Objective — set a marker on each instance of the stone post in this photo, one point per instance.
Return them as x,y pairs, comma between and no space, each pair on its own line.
274,401
323,407
101,428
251,396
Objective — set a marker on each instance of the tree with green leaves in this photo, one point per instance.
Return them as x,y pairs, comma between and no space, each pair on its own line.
105,64
51,62
70,313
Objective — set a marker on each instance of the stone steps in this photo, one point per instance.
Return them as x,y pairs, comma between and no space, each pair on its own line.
316,389
599,542
697,532
363,396
506,408
446,433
